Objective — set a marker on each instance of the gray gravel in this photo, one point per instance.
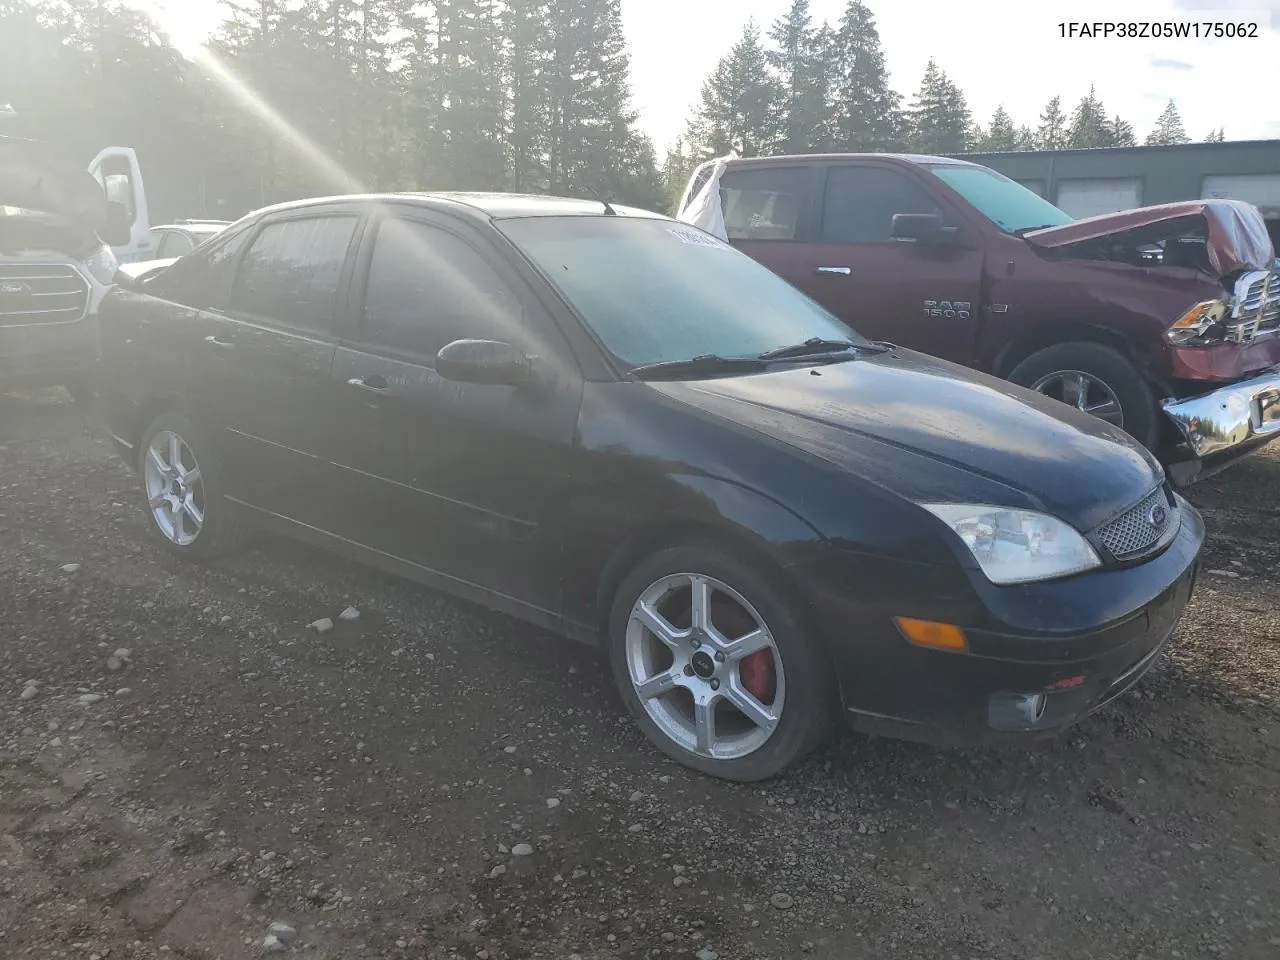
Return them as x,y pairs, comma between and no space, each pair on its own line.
227,790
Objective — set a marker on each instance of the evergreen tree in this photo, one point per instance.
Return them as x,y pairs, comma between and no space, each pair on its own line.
938,117
737,111
1001,136
1089,126
1216,136
797,60
866,113
1052,133
528,78
1169,129
1026,138
1122,134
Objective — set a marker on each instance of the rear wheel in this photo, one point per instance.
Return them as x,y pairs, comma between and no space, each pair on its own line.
1096,379
718,666
182,489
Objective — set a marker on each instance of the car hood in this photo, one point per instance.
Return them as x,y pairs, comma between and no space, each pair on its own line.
929,430
1235,232
37,176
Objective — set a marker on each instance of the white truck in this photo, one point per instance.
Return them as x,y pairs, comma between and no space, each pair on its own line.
63,232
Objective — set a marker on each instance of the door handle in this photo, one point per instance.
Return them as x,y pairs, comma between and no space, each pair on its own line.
374,383
834,271
216,340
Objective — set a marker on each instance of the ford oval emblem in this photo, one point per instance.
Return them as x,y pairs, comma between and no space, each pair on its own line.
14,288
1157,515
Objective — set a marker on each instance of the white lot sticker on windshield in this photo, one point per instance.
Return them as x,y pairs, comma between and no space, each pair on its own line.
697,239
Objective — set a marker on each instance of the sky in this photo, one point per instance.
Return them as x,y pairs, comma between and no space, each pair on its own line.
999,52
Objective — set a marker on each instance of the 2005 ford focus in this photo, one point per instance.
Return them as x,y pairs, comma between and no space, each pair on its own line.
617,427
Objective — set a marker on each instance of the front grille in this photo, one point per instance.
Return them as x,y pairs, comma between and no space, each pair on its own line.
34,293
1133,533
1257,305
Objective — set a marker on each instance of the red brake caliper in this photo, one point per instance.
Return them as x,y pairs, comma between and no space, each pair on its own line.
758,675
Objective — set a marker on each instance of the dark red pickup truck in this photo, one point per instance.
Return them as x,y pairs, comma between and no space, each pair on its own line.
1163,320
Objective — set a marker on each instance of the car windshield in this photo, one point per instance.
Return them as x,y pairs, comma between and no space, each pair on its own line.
655,291
1006,203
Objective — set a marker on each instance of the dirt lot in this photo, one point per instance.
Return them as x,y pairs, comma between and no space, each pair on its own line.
370,787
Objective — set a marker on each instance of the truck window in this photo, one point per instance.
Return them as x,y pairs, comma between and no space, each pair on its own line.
1009,205
763,203
859,203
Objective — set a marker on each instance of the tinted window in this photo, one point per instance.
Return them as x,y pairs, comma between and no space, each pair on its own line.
202,279
428,288
655,290
763,203
292,271
859,203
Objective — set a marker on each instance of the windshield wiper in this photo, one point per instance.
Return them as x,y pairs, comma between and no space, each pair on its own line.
708,364
1023,231
810,348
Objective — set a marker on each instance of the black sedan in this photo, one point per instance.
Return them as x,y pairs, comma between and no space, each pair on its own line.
617,427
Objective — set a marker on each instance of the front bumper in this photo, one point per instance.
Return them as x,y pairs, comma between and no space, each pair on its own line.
1239,416
1041,657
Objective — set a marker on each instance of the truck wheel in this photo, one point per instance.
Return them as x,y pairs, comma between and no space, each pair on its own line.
1097,379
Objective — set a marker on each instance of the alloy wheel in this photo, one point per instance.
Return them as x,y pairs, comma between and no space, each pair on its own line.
175,488
705,666
1084,392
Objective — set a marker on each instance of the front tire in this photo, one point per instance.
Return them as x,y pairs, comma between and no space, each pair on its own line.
1095,379
182,490
718,665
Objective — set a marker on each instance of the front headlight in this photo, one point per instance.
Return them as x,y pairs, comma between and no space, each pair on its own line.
1017,546
1200,325
102,266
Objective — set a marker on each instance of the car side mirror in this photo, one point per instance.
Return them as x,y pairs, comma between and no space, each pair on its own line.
490,362
118,229
923,228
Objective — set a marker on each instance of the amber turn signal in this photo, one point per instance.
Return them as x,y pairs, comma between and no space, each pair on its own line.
938,636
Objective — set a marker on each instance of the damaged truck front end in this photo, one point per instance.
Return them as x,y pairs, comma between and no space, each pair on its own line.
1219,359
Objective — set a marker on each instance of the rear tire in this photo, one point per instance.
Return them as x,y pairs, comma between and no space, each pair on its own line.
719,708
182,490
1096,379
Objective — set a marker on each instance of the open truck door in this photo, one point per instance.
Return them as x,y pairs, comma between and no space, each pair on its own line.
117,170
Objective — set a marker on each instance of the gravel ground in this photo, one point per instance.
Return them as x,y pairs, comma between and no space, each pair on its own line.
184,763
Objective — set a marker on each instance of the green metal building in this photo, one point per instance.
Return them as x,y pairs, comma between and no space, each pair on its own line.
1088,182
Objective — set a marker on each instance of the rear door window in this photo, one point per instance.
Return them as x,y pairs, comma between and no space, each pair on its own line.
859,203
763,203
291,273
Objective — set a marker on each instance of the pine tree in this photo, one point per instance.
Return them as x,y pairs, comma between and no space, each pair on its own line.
1052,134
737,110
528,77
1121,132
1089,126
471,92
938,117
1216,136
592,144
1001,136
1026,138
866,111
797,60
1169,129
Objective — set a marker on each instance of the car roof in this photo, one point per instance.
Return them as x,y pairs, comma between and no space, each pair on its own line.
483,206
193,227
830,157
